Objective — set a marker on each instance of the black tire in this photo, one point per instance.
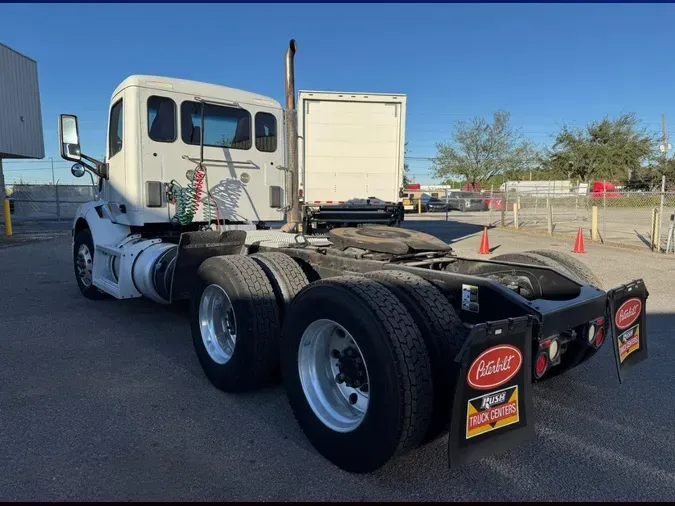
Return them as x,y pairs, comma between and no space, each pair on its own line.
580,271
83,237
443,333
285,275
256,351
397,363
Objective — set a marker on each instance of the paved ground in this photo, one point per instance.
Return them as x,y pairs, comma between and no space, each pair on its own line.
106,401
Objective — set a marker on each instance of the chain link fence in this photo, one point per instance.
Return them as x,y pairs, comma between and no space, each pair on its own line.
634,219
638,219
47,202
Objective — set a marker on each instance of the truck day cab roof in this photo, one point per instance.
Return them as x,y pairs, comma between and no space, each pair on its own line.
196,88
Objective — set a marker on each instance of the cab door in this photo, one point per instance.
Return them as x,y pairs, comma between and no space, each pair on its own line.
269,153
114,187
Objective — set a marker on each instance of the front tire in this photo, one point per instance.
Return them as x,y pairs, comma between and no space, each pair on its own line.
83,264
235,323
354,326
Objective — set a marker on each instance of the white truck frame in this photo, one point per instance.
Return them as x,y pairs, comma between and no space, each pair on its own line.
386,339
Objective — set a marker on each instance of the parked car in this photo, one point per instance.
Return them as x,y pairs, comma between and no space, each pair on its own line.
466,201
498,202
435,204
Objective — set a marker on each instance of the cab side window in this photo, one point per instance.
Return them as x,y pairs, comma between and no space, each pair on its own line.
265,132
161,119
116,129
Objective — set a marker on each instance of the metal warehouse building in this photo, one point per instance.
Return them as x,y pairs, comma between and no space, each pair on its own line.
21,133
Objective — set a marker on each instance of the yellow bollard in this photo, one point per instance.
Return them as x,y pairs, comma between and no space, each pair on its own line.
8,218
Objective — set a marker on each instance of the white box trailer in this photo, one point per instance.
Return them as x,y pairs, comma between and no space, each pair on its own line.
351,145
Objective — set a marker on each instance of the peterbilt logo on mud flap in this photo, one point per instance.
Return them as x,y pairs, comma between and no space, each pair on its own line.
628,313
494,367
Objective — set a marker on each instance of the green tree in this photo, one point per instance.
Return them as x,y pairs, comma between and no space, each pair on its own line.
479,151
406,167
608,149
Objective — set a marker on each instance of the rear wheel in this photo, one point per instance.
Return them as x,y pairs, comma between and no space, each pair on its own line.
285,275
356,372
534,258
580,271
235,323
443,334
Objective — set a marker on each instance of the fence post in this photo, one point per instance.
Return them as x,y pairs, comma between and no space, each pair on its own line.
58,205
594,223
492,202
504,204
8,217
550,216
658,233
652,234
604,209
515,215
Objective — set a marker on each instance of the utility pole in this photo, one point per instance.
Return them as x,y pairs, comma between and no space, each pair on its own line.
665,147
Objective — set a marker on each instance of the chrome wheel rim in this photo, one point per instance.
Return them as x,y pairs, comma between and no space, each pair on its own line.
217,324
334,375
84,264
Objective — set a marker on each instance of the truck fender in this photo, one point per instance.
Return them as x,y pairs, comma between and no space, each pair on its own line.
96,216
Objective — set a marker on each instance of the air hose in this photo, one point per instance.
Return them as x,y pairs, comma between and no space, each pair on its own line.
187,199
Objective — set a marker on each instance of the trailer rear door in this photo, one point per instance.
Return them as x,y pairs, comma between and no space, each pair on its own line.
351,146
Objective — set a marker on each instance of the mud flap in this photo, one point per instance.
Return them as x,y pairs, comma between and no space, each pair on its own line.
193,249
628,313
492,403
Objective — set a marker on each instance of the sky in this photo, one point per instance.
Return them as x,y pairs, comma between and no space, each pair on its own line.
548,65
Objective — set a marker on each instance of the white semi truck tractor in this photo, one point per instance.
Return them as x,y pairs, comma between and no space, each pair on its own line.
385,338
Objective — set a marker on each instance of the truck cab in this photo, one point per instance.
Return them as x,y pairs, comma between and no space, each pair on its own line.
160,130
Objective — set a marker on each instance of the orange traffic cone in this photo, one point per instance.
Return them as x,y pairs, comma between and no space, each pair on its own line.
579,243
484,248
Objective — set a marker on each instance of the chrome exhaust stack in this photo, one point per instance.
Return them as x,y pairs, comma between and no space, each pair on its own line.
290,75
294,216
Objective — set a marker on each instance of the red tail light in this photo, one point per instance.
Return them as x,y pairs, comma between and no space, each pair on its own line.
541,365
599,337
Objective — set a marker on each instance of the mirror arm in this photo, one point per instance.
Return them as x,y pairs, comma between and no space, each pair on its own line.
90,159
100,169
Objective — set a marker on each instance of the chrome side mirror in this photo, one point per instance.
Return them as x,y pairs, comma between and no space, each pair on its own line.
69,138
77,170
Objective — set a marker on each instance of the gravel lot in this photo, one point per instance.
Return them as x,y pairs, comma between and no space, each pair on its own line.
106,400
623,226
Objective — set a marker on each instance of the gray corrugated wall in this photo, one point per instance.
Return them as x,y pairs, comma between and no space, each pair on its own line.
20,112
